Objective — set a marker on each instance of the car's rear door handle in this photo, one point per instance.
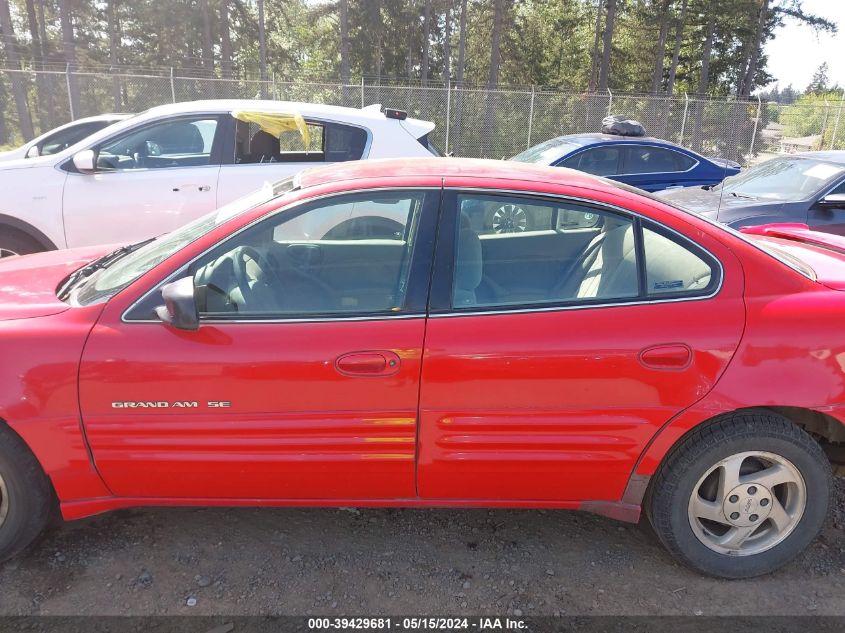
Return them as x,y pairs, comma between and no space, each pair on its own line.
671,356
375,363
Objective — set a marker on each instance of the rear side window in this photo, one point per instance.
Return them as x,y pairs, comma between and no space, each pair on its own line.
568,253
600,161
327,143
673,268
645,159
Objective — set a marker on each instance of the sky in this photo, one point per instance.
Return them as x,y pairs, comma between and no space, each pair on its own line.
796,51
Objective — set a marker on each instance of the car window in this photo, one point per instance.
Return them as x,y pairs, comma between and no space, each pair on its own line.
599,161
647,159
63,139
575,254
493,215
106,282
671,267
583,254
839,188
327,142
185,142
347,255
547,152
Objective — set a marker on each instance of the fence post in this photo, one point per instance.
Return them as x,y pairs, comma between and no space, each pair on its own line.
756,123
836,125
530,118
172,86
824,122
69,94
684,121
273,79
448,111
362,92
609,102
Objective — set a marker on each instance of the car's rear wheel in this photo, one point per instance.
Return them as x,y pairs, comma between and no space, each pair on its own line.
741,496
25,496
14,242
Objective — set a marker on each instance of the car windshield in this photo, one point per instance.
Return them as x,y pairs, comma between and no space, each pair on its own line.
109,281
546,153
784,178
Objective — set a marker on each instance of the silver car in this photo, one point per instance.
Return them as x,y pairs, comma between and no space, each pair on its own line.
807,188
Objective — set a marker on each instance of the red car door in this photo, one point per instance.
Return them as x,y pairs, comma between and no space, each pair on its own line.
302,380
553,396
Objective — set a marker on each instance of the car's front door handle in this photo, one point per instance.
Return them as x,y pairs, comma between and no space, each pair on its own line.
375,363
189,187
671,356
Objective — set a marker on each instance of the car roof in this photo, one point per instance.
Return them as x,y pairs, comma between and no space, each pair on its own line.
372,112
598,137
445,168
831,156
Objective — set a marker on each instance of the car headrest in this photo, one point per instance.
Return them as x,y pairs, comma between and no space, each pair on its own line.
469,263
263,145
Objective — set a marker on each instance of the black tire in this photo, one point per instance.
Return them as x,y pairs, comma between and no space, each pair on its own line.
27,497
15,242
670,506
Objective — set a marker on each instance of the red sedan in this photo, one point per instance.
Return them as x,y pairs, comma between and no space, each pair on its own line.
372,334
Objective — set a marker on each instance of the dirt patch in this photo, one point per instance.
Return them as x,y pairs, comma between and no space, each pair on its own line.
318,561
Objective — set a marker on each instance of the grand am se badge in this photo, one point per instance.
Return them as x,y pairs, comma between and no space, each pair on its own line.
163,404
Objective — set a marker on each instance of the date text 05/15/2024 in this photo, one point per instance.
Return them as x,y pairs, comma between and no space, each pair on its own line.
418,624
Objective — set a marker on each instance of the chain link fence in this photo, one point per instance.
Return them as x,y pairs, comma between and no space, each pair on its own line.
470,121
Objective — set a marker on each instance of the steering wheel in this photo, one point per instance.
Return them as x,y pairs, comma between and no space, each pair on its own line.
241,256
244,254
140,155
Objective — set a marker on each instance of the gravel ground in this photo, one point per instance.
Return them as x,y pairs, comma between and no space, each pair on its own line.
394,562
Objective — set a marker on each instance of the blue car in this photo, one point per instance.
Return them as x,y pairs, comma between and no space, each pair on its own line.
648,163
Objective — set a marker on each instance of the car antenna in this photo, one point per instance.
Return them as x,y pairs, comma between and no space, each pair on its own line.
721,188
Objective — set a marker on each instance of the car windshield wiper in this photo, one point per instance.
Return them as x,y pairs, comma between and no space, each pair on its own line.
98,264
745,196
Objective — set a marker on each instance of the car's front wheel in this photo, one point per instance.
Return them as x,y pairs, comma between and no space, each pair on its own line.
13,242
741,496
25,496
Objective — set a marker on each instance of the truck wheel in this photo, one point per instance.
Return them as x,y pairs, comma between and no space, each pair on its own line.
25,496
741,496
14,242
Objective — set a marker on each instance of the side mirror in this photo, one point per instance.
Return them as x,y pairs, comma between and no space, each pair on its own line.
33,152
85,161
180,305
833,201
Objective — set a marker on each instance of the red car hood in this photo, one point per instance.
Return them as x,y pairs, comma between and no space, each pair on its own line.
28,283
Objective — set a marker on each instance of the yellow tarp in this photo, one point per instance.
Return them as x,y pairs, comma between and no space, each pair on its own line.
277,122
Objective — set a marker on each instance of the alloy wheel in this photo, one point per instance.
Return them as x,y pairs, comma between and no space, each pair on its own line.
747,503
510,218
4,501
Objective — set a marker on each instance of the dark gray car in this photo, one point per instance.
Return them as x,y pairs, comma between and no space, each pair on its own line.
808,188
